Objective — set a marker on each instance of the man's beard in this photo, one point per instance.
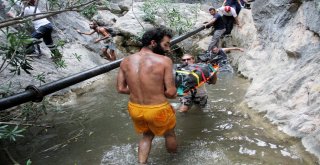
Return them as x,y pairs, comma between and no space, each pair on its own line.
159,50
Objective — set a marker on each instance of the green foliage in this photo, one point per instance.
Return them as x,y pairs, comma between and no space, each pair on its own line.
89,11
166,10
29,162
77,56
106,3
53,4
6,90
41,78
13,52
57,56
138,37
149,10
32,111
178,21
60,43
11,134
60,63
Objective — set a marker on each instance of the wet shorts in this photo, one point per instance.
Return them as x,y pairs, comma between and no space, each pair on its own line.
155,118
110,45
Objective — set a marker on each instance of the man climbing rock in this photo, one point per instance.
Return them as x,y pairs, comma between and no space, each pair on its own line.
106,36
219,28
43,27
236,4
229,16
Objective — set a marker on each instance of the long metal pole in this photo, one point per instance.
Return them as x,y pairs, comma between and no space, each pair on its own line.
36,94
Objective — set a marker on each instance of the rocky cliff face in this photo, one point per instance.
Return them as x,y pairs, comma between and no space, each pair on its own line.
282,38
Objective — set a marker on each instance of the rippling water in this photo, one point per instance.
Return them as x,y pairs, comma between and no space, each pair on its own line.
95,129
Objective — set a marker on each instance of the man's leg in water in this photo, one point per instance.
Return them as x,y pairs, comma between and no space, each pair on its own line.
145,146
171,141
185,103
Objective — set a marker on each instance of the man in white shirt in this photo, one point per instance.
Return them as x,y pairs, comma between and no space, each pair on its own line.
229,15
43,27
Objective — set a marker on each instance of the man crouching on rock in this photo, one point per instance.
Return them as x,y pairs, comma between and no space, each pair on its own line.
147,77
106,36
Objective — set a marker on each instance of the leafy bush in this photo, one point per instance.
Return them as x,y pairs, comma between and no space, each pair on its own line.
169,14
11,134
89,11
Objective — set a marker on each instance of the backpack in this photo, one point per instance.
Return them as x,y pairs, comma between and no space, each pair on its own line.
110,30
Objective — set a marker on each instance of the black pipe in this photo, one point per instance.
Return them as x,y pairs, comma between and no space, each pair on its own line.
183,37
36,94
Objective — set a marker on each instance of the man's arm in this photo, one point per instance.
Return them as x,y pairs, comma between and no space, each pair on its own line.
224,3
213,79
169,83
122,86
232,48
86,33
210,23
235,16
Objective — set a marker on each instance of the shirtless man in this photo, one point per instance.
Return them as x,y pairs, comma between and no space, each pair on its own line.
105,36
147,77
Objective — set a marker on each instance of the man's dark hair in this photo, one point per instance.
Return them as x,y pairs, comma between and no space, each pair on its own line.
95,22
156,34
211,8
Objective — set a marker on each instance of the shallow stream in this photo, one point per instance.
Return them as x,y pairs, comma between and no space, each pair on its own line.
94,128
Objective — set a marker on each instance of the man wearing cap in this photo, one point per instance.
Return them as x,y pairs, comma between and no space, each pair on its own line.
219,27
236,4
229,15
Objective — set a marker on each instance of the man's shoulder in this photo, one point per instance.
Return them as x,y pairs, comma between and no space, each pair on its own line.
217,15
163,58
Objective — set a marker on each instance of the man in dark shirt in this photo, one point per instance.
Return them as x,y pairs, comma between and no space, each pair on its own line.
219,28
223,58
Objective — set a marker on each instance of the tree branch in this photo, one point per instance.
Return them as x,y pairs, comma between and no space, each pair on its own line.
23,19
26,124
36,6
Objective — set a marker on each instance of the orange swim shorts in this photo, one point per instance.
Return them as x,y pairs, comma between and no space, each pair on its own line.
155,118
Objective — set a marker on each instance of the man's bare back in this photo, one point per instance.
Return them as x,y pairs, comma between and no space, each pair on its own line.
149,77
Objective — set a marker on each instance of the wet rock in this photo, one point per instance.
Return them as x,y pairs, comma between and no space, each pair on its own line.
293,54
105,18
282,59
